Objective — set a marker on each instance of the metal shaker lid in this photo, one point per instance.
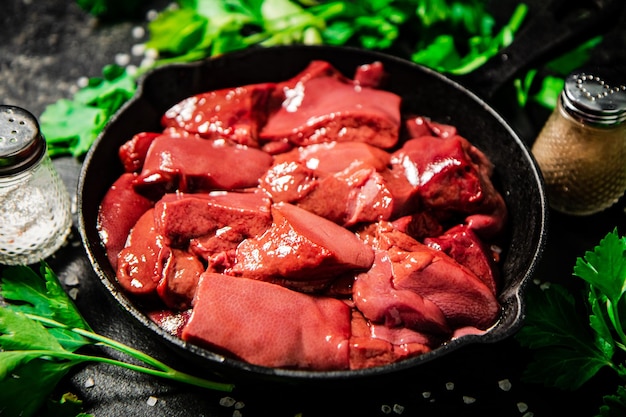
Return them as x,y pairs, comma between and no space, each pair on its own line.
21,142
592,100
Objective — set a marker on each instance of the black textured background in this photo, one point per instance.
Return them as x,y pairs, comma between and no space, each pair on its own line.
46,46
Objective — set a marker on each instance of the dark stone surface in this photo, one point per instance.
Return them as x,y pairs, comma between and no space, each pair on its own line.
46,46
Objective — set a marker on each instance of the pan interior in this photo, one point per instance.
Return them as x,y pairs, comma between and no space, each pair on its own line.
423,92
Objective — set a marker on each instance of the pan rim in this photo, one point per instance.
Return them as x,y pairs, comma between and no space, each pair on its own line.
228,364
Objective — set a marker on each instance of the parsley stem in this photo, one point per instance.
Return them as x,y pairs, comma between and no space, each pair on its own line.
162,370
167,372
613,311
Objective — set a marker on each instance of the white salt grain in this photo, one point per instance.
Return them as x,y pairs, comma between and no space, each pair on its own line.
385,409
73,293
138,49
152,401
151,15
89,382
146,63
82,82
122,59
468,399
71,280
505,385
131,70
227,401
138,32
426,394
151,53
239,405
398,409
237,413
522,407
449,386
529,414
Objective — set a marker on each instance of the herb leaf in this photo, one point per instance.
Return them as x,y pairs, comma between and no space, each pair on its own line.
565,352
605,267
71,126
28,386
42,295
17,332
40,331
614,405
573,337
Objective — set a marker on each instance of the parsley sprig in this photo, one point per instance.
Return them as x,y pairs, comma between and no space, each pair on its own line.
41,333
455,36
570,351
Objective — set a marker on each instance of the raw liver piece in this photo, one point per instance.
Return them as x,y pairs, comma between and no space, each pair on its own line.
170,321
422,126
334,157
289,181
375,295
357,194
179,278
133,152
302,250
444,174
231,113
188,163
139,263
320,109
120,209
180,217
370,75
378,345
269,325
452,177
462,245
464,299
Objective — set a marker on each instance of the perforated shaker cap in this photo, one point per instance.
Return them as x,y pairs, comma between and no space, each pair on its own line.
591,99
21,142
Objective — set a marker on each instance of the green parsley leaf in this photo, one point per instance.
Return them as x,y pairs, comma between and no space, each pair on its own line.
26,389
177,31
18,332
40,332
43,295
605,267
565,352
69,405
614,405
71,126
111,9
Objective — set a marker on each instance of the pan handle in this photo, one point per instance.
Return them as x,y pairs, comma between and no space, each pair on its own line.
557,27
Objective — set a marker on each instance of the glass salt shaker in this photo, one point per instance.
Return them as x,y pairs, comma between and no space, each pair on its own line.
581,149
35,217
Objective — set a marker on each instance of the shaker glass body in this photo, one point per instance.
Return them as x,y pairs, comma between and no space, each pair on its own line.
584,166
35,214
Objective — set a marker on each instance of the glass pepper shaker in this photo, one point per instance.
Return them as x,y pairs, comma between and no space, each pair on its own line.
35,217
581,149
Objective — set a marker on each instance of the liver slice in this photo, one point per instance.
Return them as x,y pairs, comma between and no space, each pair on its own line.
302,250
323,108
269,325
120,209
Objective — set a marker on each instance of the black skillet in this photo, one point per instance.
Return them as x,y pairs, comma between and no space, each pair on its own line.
424,92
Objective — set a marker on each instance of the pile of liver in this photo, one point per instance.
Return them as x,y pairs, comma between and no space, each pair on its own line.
307,224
